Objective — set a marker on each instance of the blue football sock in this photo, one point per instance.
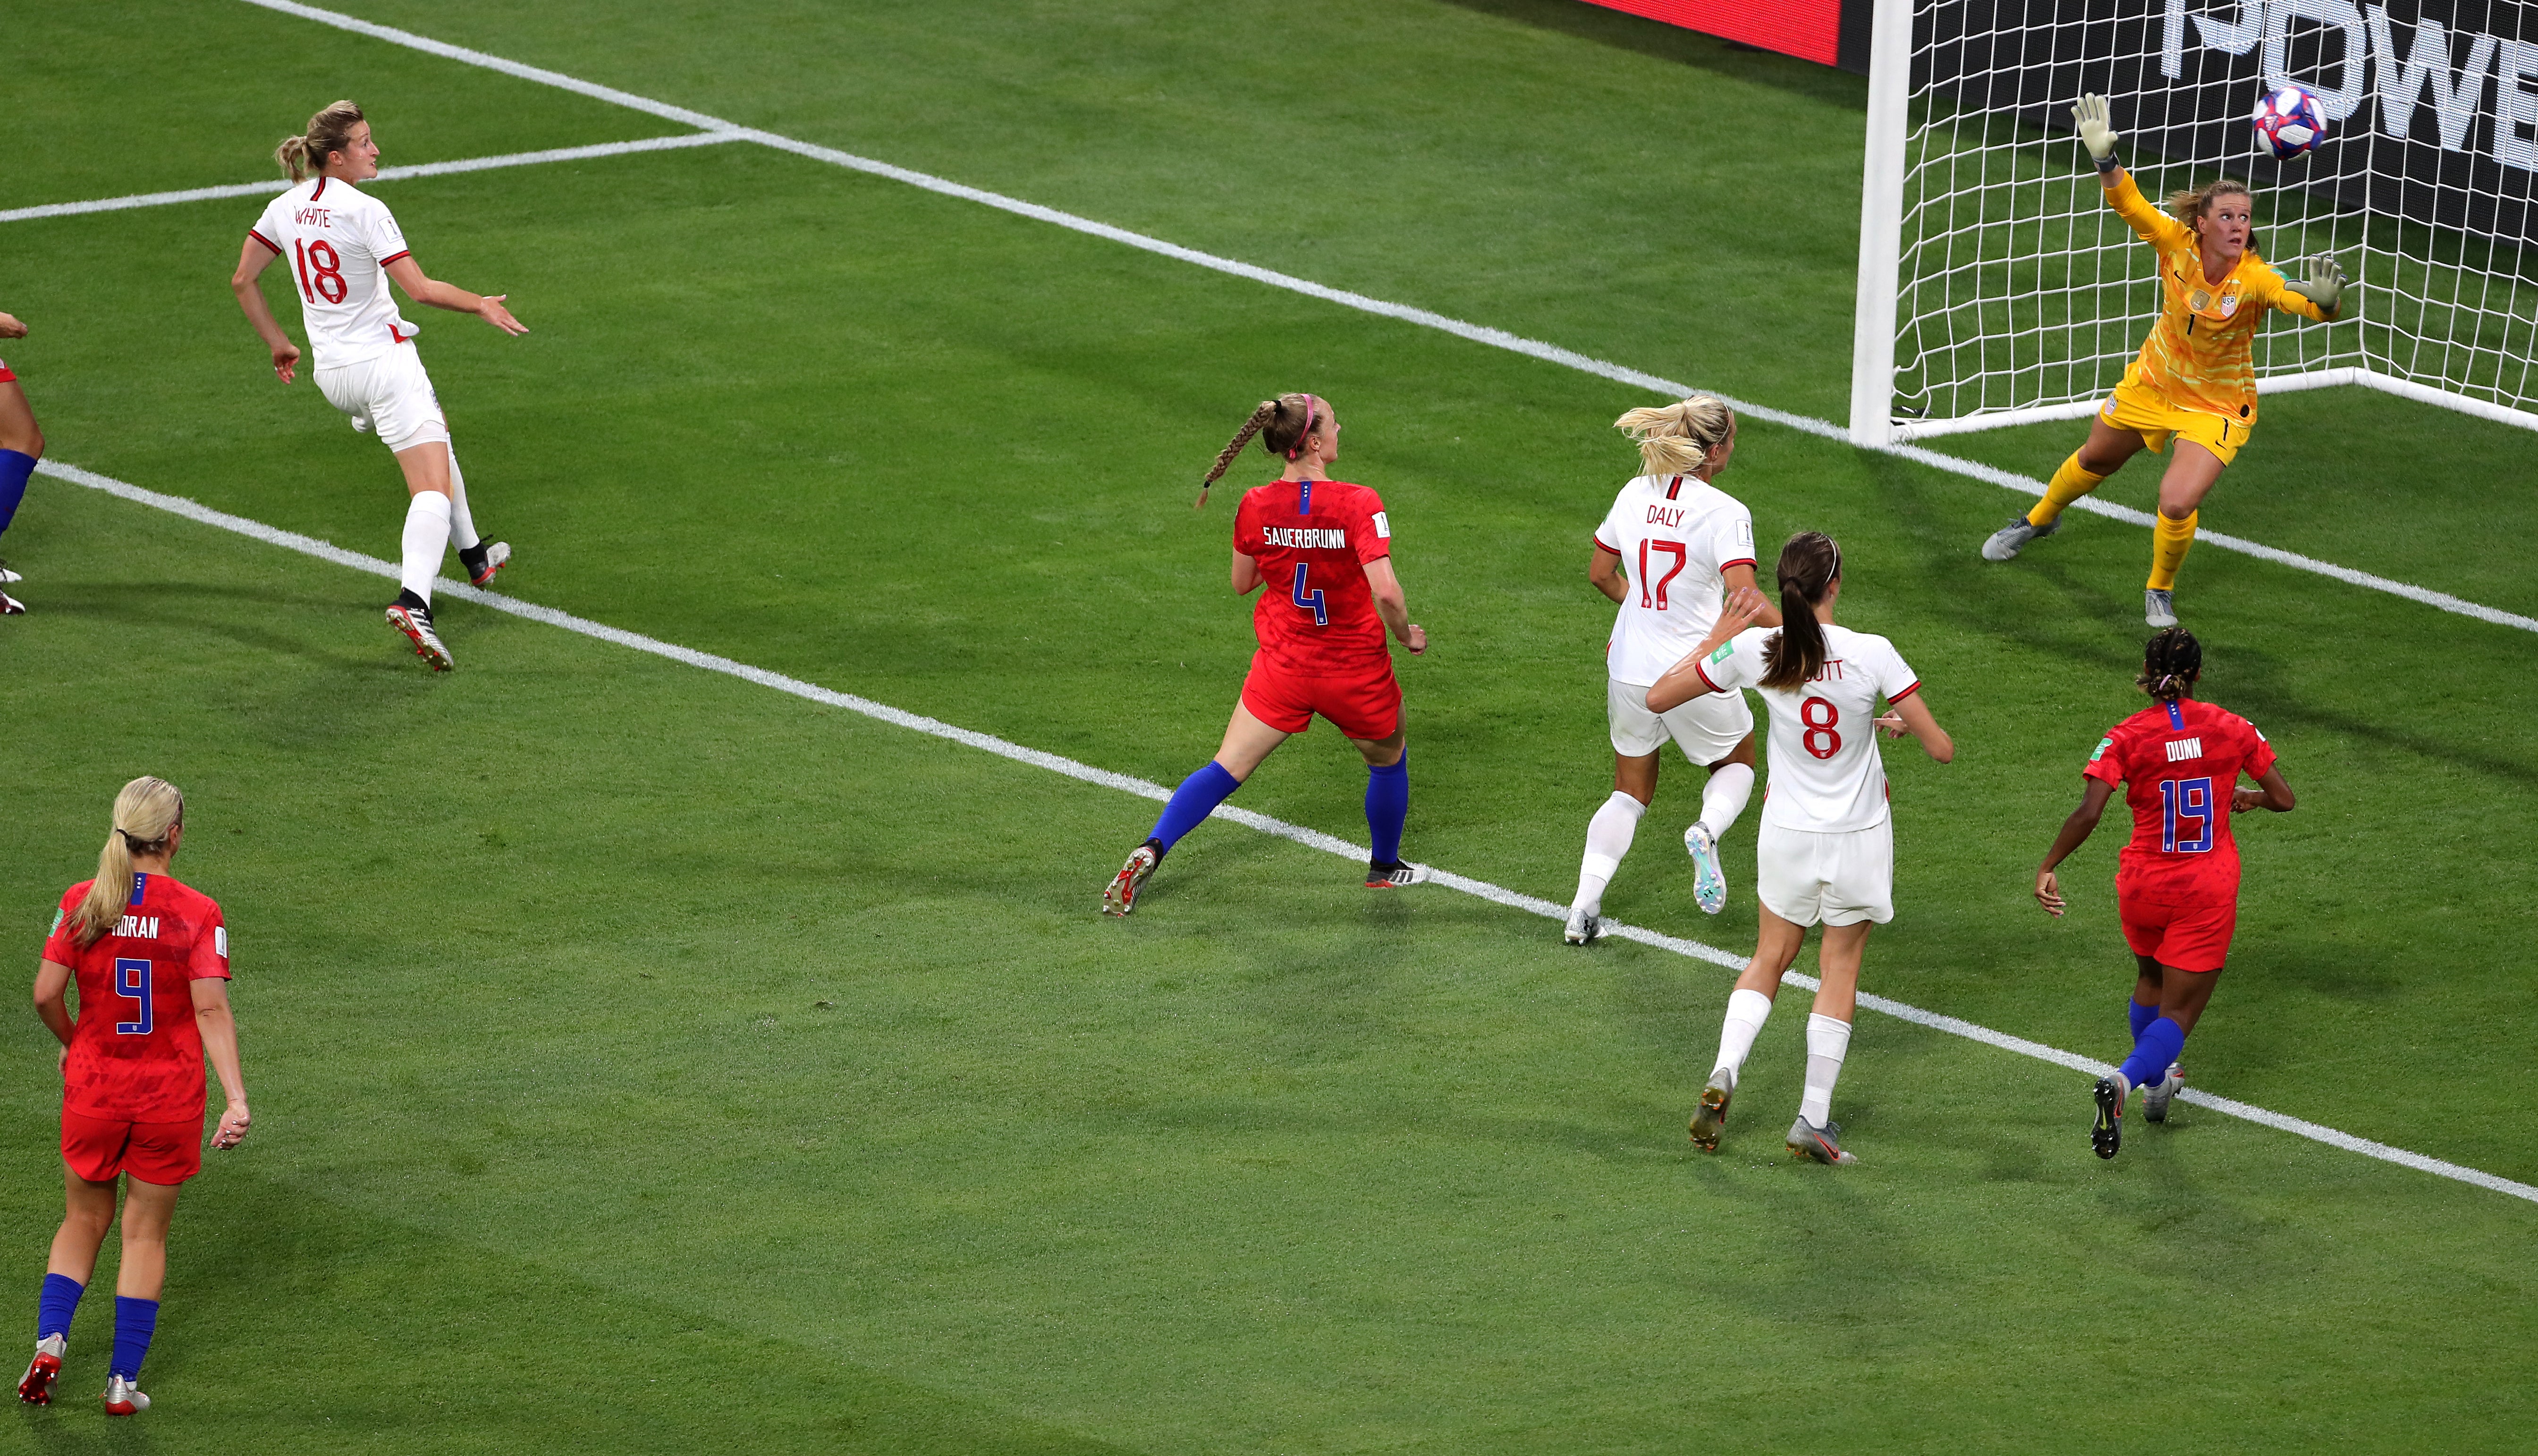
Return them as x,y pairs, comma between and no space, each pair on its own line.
135,1321
2141,1017
1193,801
2159,1045
55,1306
15,467
1388,804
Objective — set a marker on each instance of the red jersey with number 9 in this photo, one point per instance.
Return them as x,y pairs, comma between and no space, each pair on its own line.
136,1054
1313,540
2178,764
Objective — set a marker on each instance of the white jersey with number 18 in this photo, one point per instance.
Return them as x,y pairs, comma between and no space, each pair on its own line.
1826,775
337,244
1674,534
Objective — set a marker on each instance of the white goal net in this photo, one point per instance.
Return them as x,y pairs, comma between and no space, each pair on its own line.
1997,288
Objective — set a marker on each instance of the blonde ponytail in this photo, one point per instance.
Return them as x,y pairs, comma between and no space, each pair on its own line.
1676,439
305,155
144,814
1289,421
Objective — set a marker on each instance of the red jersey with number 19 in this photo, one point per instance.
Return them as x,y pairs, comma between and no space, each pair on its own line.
2179,764
136,1054
1313,540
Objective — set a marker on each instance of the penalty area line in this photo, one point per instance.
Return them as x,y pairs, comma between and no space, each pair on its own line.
386,174
1297,833
1405,313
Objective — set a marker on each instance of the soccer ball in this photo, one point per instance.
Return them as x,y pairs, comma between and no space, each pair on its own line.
2288,122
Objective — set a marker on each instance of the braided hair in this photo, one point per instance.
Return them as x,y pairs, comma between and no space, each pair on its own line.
1283,424
2170,662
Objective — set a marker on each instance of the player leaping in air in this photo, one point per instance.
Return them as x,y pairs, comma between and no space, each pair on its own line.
2176,887
2195,379
343,246
1323,548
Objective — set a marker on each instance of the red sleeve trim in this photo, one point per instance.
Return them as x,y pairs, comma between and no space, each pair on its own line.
1739,561
1600,546
1698,672
1894,697
267,242
392,257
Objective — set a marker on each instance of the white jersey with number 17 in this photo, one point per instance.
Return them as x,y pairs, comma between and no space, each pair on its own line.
1675,536
337,244
1826,775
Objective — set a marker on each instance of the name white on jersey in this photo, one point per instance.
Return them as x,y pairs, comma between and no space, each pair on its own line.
1827,775
336,242
1674,534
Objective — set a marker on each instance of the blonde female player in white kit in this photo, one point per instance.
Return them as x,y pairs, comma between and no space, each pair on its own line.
1668,552
1827,855
343,246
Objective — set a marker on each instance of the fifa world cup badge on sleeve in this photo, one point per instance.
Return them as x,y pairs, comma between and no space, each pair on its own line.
1725,651
1382,527
57,925
2104,744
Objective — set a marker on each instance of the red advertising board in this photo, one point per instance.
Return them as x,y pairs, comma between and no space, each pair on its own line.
1811,30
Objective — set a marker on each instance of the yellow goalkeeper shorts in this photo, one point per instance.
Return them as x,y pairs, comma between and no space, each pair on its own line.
2147,413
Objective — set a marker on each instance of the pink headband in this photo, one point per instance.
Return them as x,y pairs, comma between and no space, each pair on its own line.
1312,403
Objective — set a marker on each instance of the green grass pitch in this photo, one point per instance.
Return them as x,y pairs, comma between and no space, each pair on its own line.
648,1061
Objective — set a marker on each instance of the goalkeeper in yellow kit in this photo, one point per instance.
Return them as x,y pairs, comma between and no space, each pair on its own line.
2196,380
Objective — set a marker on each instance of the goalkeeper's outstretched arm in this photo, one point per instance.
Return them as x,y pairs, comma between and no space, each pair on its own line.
2098,134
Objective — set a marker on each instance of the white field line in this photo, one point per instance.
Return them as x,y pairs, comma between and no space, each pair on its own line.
1477,333
1311,839
386,174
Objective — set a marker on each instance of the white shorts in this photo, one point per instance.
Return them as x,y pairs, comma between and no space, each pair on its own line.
1818,878
390,391
1707,728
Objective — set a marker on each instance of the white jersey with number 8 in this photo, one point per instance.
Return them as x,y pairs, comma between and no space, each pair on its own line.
336,242
1827,775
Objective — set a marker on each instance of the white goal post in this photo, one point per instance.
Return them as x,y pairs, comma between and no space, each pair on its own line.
1996,288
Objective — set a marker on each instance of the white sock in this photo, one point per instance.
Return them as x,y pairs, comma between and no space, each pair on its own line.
427,536
462,523
1723,798
1827,1040
1747,1011
1608,838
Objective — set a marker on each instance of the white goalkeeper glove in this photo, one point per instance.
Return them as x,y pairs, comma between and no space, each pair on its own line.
2322,284
2097,133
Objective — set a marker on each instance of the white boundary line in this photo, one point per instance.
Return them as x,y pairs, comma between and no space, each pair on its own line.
386,174
1476,333
1298,834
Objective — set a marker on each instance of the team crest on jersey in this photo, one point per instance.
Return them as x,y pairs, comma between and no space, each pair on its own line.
2230,302
2104,744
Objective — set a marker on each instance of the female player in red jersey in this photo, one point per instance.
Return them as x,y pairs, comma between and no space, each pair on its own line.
21,446
2176,888
1324,550
152,960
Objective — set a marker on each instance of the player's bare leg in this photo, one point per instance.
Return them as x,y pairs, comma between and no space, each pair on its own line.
1247,743
1776,944
1387,802
1608,837
1722,799
2192,472
427,536
2105,453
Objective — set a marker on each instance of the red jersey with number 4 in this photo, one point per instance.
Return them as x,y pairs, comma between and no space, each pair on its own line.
2179,765
136,1054
1313,540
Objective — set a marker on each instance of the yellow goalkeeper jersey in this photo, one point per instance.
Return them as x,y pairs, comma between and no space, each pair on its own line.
2199,354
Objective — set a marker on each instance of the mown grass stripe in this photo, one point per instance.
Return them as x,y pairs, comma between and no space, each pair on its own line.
1297,833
